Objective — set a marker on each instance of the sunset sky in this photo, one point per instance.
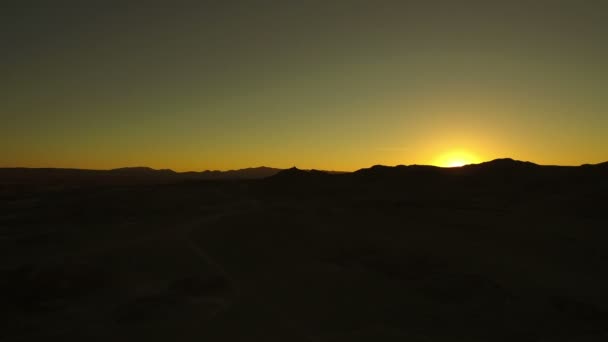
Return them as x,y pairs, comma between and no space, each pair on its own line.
335,85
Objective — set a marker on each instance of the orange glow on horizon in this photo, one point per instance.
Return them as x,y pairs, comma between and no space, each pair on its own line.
456,159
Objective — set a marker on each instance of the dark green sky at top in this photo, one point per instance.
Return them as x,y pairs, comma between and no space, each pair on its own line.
325,84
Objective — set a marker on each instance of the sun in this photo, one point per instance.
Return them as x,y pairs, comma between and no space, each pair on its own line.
456,159
457,163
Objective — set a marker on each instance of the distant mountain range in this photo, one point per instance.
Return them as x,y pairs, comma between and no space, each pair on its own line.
503,168
127,175
495,167
510,178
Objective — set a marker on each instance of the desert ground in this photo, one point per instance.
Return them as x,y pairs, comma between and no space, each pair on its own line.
506,252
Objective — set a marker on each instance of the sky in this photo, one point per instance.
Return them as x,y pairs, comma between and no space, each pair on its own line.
334,85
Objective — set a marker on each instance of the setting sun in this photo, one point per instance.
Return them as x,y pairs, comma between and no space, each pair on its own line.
456,159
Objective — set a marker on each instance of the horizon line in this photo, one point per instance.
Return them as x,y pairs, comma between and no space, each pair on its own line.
279,168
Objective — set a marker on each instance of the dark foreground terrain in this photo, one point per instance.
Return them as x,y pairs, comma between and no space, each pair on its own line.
501,251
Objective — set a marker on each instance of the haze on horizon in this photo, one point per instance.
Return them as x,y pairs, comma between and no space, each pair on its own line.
335,85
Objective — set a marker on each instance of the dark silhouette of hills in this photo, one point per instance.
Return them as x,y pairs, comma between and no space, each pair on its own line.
248,173
127,175
380,171
600,165
500,173
505,163
498,169
141,170
501,168
295,173
499,251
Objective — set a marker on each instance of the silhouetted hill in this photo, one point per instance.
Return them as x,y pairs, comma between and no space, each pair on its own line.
495,173
248,173
500,251
296,174
381,171
600,165
498,168
142,170
297,180
127,175
503,163
504,175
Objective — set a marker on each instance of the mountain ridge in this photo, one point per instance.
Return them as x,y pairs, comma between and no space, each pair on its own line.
141,174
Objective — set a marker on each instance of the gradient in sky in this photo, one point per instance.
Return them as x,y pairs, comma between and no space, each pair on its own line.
318,84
